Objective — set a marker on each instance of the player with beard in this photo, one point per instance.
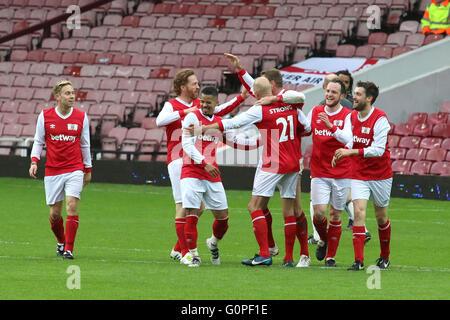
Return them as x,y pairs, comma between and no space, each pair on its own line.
329,185
186,87
372,172
200,176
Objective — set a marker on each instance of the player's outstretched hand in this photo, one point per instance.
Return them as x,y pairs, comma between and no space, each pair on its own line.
213,171
323,116
234,61
33,171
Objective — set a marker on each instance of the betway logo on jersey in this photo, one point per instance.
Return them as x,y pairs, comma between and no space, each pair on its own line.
323,132
280,109
208,138
365,141
62,137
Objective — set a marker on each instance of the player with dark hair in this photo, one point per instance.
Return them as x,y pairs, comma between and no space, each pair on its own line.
346,77
372,172
186,87
64,130
200,176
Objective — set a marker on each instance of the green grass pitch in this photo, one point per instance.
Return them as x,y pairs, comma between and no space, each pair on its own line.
127,231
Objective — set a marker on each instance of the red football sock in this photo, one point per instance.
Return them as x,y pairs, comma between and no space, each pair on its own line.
268,216
334,234
290,229
384,233
359,236
260,230
321,228
302,234
220,226
71,231
58,229
180,224
190,232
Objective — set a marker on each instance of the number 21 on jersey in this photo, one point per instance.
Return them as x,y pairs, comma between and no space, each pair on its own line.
288,125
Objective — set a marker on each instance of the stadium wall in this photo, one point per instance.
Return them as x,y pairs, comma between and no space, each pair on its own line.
237,178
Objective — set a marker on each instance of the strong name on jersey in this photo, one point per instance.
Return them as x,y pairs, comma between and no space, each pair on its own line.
206,144
324,146
277,124
370,168
62,137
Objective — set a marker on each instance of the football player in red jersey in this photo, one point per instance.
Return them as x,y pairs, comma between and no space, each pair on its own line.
186,87
200,176
372,172
65,132
277,118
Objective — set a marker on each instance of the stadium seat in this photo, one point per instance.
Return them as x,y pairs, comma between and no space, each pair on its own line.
422,130
416,154
430,143
420,167
437,118
441,130
401,50
401,166
409,142
396,39
382,52
415,40
446,144
436,154
377,38
403,129
149,123
393,140
364,51
441,168
430,38
398,153
410,26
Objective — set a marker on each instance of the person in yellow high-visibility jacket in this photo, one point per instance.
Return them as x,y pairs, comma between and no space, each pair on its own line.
436,18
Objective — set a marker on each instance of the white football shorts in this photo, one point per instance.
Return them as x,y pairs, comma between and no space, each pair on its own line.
174,169
70,184
194,191
330,191
265,183
377,190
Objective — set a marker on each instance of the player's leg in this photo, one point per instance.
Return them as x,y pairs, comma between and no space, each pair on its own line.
216,200
260,230
192,191
314,237
350,211
338,198
360,195
320,197
73,186
273,248
54,195
301,228
288,192
180,248
381,190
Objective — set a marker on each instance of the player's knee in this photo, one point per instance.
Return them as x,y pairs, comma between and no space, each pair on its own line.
72,206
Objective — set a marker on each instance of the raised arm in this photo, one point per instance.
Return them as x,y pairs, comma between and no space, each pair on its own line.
245,78
239,142
167,115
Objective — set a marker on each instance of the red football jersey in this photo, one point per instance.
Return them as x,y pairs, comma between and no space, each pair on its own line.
370,168
325,145
174,132
278,129
62,138
206,144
